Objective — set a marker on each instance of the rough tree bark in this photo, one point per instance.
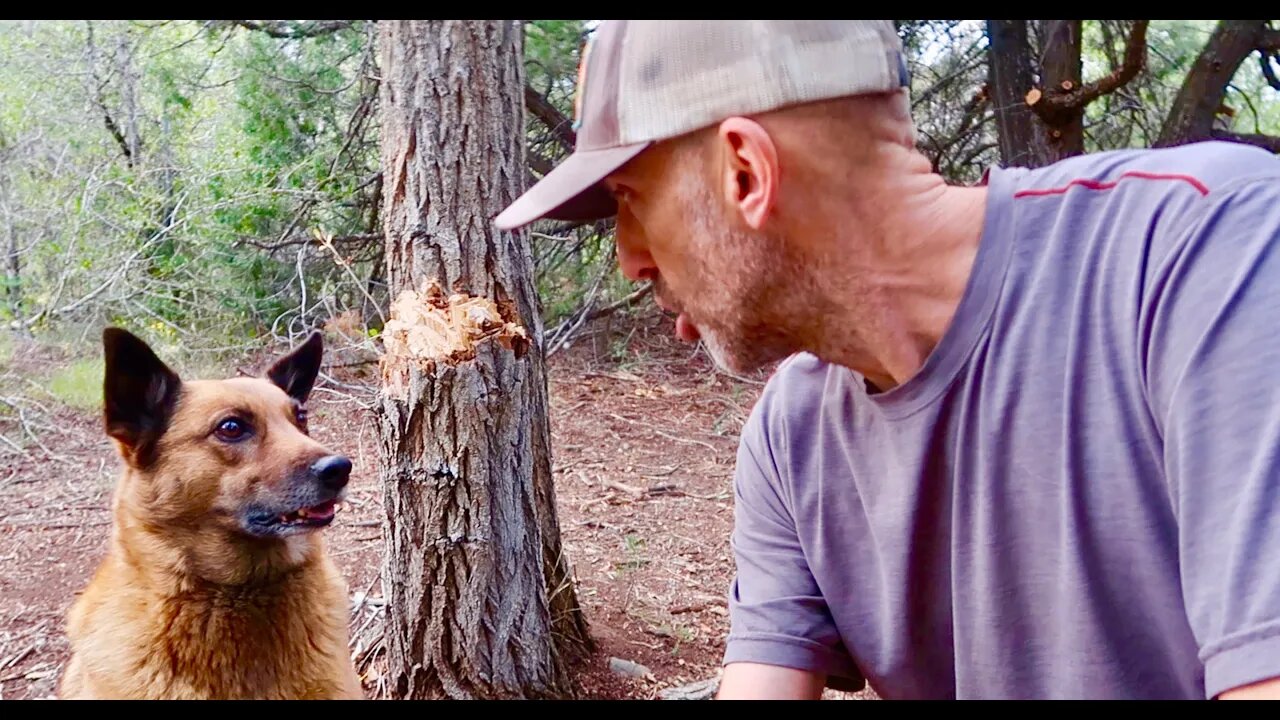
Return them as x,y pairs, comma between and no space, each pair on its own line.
13,255
1009,78
1205,87
1059,101
480,600
1062,71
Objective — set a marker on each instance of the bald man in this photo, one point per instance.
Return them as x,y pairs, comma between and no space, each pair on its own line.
1025,438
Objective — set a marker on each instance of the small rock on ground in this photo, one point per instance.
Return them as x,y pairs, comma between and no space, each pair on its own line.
628,668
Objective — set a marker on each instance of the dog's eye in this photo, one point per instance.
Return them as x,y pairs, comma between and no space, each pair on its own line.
231,430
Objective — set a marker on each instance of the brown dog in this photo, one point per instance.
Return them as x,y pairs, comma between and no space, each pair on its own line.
216,584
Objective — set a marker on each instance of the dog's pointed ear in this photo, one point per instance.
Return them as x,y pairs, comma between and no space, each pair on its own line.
296,372
139,391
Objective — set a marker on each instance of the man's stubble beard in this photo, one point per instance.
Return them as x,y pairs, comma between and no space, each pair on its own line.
747,311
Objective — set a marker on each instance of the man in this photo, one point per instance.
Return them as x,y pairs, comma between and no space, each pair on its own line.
1026,439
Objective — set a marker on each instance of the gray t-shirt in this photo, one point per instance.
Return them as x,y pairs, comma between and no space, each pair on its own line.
1078,495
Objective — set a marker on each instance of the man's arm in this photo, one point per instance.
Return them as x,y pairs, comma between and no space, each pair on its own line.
1265,690
755,681
783,641
1212,343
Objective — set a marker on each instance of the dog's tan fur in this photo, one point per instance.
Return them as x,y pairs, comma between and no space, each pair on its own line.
187,606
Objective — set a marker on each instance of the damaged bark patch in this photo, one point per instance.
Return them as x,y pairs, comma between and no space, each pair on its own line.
438,329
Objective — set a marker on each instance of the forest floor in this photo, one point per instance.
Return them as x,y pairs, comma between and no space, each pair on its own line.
644,432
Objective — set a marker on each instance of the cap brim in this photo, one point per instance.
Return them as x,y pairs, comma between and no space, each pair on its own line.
572,191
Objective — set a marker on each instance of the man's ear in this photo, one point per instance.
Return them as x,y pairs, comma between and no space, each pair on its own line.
139,392
296,372
749,169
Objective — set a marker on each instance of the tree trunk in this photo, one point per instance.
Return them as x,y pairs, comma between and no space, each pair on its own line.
1062,72
1191,117
480,599
13,257
1022,142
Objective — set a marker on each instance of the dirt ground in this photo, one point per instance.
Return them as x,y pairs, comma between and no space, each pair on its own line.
643,458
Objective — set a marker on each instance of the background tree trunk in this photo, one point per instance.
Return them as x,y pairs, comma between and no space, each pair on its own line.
480,600
1022,142
1062,73
1039,123
1205,87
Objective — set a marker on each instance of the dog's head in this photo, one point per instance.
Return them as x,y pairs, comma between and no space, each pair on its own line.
210,455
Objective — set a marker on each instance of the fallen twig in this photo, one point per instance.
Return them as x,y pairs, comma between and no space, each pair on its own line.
707,445
628,489
20,656
57,526
17,448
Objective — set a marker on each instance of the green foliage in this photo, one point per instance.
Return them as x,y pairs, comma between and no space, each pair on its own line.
552,51
1131,117
169,175
155,159
78,384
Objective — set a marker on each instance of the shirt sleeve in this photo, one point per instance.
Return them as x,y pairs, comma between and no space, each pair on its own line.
1213,378
777,613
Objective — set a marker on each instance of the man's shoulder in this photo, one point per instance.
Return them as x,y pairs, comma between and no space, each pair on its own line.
802,369
796,394
800,382
780,430
1193,170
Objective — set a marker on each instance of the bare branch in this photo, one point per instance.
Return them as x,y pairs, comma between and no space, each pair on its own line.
1269,41
1195,107
1266,142
100,99
965,68
561,126
539,164
1052,105
309,240
294,31
1266,58
114,129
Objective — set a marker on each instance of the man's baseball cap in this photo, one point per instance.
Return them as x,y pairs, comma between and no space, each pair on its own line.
642,81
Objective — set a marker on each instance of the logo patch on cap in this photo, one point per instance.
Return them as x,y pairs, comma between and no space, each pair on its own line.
578,91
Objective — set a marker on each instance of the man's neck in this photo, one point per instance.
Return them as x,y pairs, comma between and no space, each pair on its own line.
906,269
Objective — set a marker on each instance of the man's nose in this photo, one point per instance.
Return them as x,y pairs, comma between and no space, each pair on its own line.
633,258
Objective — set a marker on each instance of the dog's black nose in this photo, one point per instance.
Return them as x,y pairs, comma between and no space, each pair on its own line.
332,471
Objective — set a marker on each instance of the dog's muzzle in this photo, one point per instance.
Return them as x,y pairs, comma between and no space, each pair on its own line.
308,502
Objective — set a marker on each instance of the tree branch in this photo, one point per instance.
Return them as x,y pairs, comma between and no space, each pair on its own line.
1269,41
1052,105
1191,117
100,99
1267,71
965,68
1266,142
561,126
286,30
539,164
114,129
359,239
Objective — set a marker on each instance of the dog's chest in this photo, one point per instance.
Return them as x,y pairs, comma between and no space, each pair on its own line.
244,646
